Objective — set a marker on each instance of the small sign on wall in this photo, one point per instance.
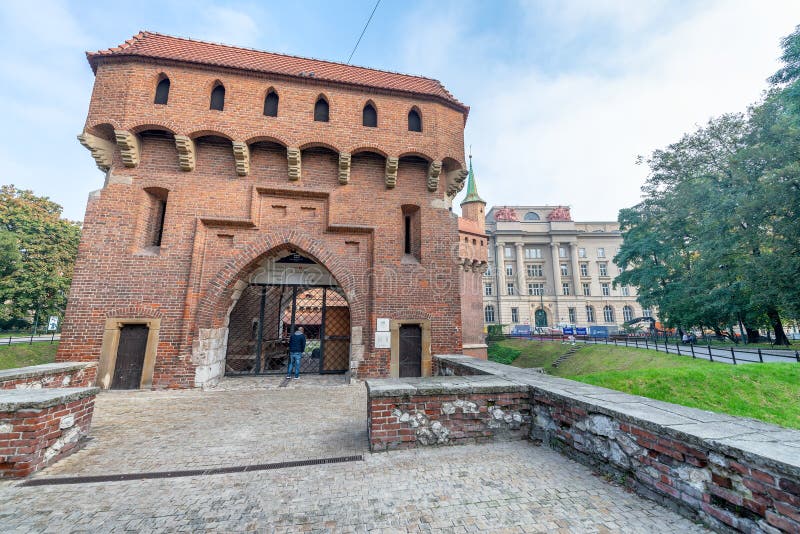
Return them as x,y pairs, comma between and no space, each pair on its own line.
382,340
383,324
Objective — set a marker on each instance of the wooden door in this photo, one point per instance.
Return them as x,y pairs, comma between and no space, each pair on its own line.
130,356
410,350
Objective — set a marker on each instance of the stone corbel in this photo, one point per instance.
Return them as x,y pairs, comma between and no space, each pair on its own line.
101,149
434,169
455,182
295,161
128,145
185,148
241,155
391,172
482,266
344,168
467,264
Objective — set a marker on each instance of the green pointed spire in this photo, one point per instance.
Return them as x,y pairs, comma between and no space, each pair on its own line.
472,187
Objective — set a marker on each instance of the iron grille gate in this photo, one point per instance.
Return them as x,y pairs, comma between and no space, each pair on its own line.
266,315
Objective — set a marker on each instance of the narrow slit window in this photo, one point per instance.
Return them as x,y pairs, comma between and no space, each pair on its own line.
162,92
218,98
321,110
158,226
369,116
407,234
414,121
271,104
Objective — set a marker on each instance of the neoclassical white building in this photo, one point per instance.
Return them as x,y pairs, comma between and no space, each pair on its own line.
547,270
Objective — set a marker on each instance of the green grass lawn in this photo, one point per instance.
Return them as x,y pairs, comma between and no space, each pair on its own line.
769,392
23,354
524,353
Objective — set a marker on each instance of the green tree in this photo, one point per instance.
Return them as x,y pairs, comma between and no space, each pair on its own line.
9,253
716,240
46,247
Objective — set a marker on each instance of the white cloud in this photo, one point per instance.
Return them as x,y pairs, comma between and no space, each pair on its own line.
572,137
228,26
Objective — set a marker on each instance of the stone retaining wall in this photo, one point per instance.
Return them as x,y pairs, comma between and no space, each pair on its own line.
734,474
408,413
40,426
50,375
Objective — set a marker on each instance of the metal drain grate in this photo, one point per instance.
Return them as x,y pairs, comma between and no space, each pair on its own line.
188,473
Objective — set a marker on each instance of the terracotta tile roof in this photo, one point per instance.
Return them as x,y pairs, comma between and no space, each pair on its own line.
158,46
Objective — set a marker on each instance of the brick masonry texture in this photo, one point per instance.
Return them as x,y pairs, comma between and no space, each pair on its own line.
32,438
508,486
734,474
219,225
49,376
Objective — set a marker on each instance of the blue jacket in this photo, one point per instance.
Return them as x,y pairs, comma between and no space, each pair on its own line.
297,342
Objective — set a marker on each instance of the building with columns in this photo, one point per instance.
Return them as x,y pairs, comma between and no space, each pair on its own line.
547,270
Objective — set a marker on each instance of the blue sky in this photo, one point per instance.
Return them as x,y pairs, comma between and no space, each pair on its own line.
564,94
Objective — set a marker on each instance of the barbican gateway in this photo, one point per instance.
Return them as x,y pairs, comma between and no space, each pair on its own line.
248,193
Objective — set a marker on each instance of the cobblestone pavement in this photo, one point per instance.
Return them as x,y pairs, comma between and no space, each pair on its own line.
511,487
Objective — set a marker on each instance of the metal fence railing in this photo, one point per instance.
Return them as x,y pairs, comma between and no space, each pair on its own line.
12,337
732,355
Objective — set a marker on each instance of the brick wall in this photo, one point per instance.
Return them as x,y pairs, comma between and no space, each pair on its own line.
733,474
219,225
452,411
44,376
32,438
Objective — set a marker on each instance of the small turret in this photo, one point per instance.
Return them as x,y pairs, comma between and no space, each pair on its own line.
473,206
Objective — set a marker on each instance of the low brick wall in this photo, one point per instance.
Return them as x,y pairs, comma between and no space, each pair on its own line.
38,427
734,474
50,375
453,410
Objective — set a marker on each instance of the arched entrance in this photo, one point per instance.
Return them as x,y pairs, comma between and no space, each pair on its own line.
541,317
284,293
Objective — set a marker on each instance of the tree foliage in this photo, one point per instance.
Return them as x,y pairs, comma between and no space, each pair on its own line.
44,249
716,238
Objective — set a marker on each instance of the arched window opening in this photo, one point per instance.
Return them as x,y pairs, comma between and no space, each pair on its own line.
627,313
531,216
218,98
321,110
414,121
271,104
540,318
488,314
608,314
369,117
162,92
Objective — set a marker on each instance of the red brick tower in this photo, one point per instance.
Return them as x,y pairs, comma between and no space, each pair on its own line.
473,251
247,193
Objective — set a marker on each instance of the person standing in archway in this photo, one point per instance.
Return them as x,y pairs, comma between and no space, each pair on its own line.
297,345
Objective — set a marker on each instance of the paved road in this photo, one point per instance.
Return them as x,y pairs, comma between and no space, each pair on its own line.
503,487
717,354
12,340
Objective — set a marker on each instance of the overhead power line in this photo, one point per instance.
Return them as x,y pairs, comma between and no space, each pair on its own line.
363,31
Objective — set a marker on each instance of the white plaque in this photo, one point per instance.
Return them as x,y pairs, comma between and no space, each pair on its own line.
382,340
383,325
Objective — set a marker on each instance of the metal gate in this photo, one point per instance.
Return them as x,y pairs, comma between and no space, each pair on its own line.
267,314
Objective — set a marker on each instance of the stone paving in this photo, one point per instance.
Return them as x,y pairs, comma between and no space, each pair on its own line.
503,487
